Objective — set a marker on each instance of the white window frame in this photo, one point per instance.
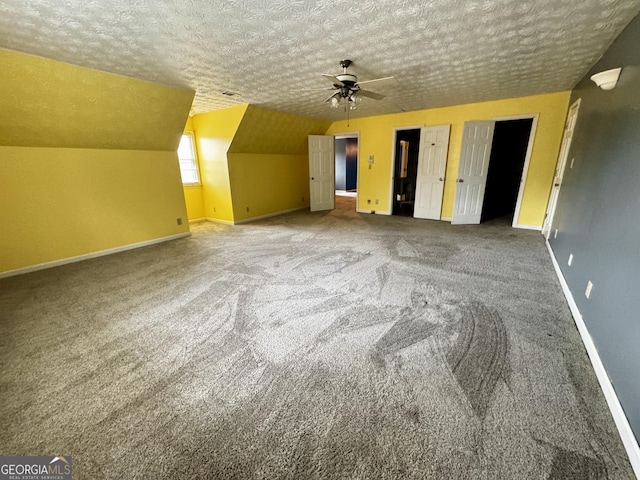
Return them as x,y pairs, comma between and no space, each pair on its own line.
189,164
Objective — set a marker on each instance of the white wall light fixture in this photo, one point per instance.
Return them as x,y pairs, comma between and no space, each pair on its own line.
607,80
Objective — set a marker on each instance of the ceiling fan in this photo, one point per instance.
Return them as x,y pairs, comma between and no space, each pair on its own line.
349,90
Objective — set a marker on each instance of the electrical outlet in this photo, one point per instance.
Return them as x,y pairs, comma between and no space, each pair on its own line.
214,209
570,259
179,221
369,200
587,292
303,199
247,209
377,201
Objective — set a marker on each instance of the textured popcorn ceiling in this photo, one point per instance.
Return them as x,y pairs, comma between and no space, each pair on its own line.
272,53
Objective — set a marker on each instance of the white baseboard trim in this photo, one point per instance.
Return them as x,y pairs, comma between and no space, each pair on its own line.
217,220
198,220
269,215
373,212
525,227
87,256
528,227
622,423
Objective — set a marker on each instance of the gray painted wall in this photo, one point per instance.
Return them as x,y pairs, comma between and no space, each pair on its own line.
346,152
341,163
598,217
352,164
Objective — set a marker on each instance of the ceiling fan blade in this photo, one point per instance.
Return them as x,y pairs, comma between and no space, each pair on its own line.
333,79
380,82
367,93
332,95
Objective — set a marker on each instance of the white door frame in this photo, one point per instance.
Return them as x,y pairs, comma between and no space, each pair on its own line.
356,135
393,162
561,166
527,160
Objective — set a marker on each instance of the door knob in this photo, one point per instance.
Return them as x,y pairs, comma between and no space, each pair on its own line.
556,184
441,179
460,180
312,178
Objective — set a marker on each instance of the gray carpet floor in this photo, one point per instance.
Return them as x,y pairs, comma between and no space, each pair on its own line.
309,345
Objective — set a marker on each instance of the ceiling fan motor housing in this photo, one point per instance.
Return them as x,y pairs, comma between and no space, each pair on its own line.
347,79
346,86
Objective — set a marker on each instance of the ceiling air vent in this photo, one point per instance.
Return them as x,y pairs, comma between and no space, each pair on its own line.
229,94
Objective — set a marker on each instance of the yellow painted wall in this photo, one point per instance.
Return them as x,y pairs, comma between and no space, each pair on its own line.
194,201
269,163
88,161
269,183
57,203
253,161
193,196
376,138
214,133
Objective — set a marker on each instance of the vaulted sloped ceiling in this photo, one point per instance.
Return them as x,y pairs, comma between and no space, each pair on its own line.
272,53
267,132
45,103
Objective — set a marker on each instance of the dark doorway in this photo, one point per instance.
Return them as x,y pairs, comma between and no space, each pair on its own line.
405,171
508,154
346,151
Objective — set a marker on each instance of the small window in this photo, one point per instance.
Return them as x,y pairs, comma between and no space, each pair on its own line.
188,161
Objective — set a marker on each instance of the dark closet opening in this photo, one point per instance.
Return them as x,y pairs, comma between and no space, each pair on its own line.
506,163
405,171
346,151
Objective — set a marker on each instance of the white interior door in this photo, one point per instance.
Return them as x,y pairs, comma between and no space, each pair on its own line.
569,127
322,178
477,138
432,164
